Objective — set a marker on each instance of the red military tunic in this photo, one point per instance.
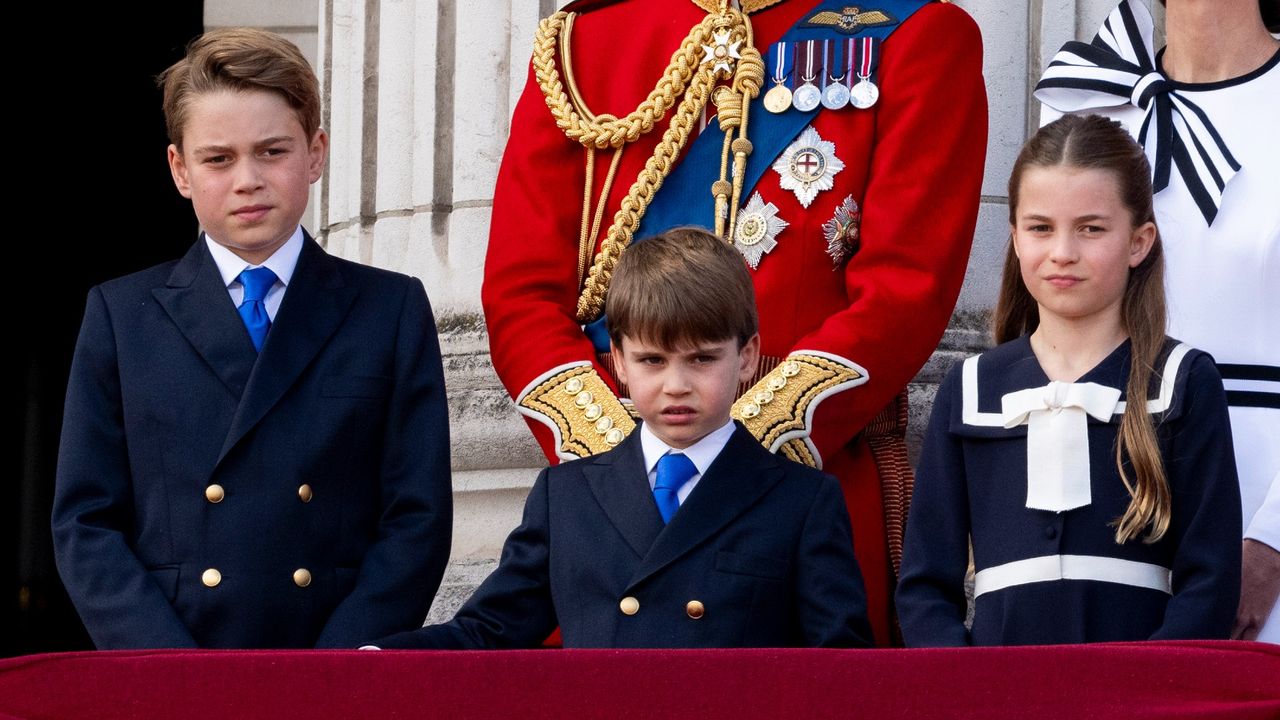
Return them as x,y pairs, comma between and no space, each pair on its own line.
913,163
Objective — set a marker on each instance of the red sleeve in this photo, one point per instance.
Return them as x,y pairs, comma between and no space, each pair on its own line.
919,211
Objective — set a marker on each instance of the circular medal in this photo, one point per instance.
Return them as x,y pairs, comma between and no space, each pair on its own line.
807,97
778,99
835,96
864,94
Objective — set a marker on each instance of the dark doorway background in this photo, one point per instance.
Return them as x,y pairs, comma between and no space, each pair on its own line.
92,200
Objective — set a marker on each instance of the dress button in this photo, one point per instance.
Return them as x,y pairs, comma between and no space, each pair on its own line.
302,577
629,605
211,577
214,493
1051,532
695,609
304,493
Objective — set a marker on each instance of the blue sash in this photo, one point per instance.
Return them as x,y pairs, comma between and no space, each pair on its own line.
685,196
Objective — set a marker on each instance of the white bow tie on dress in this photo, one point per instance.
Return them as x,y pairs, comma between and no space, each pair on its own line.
1057,422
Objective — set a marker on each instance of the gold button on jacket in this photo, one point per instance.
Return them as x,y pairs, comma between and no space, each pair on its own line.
304,493
302,577
629,605
695,609
214,493
211,577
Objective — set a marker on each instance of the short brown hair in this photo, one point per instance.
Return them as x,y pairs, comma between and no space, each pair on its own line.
683,286
240,59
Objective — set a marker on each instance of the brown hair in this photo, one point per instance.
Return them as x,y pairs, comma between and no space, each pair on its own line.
240,59
1094,142
679,287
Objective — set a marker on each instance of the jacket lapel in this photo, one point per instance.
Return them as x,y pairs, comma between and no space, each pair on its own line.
620,484
197,301
742,473
315,304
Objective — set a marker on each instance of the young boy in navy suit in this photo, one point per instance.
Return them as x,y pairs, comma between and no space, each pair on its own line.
689,533
255,450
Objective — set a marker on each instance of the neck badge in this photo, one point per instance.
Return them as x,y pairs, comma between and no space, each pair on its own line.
808,165
757,230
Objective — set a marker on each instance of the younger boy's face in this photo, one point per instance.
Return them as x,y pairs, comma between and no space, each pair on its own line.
246,164
685,393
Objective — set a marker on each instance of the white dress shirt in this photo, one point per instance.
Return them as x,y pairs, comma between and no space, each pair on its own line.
701,453
282,262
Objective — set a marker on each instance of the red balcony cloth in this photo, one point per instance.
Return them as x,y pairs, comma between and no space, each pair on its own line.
1122,680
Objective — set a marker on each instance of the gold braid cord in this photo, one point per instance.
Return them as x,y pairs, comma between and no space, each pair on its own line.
687,84
776,409
587,414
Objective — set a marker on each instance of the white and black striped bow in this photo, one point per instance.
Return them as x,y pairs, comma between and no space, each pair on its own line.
1120,65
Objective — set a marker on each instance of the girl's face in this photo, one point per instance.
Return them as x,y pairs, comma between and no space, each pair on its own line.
1076,242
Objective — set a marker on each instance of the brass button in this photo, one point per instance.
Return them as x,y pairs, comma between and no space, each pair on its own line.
304,493
574,386
629,605
302,577
614,436
695,609
214,493
211,577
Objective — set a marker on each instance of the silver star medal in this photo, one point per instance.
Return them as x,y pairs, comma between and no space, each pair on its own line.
722,53
808,165
757,229
842,230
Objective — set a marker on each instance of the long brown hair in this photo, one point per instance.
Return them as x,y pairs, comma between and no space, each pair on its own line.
1094,142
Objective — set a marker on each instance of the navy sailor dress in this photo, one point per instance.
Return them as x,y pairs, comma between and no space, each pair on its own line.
1024,469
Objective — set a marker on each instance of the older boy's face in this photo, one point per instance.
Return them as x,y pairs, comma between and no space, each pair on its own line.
246,164
685,393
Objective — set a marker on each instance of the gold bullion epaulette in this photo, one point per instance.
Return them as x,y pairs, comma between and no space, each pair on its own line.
583,413
779,409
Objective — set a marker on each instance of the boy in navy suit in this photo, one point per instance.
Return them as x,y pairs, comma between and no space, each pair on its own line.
255,449
689,533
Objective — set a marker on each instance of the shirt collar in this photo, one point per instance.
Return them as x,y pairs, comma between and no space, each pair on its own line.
282,262
702,453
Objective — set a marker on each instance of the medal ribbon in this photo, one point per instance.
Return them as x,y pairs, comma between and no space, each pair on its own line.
826,55
850,59
1119,67
781,69
868,56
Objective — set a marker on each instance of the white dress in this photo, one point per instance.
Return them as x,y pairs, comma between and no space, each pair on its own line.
1223,280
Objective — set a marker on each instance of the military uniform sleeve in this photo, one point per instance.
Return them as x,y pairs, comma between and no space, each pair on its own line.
401,570
118,601
935,555
530,289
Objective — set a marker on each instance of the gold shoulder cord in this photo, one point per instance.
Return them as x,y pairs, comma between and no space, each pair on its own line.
704,58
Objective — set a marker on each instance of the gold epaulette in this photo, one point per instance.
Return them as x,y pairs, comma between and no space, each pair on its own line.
779,409
585,415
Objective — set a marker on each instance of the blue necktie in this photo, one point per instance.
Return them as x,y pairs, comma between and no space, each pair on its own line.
674,470
253,309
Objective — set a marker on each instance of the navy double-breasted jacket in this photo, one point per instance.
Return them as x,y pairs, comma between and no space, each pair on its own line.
757,555
211,496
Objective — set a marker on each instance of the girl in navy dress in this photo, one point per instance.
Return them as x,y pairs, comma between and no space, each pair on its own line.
1087,459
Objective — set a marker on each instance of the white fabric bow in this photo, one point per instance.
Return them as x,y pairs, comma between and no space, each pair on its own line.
1057,422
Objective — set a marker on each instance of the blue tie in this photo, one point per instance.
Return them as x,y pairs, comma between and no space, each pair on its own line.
253,309
674,470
